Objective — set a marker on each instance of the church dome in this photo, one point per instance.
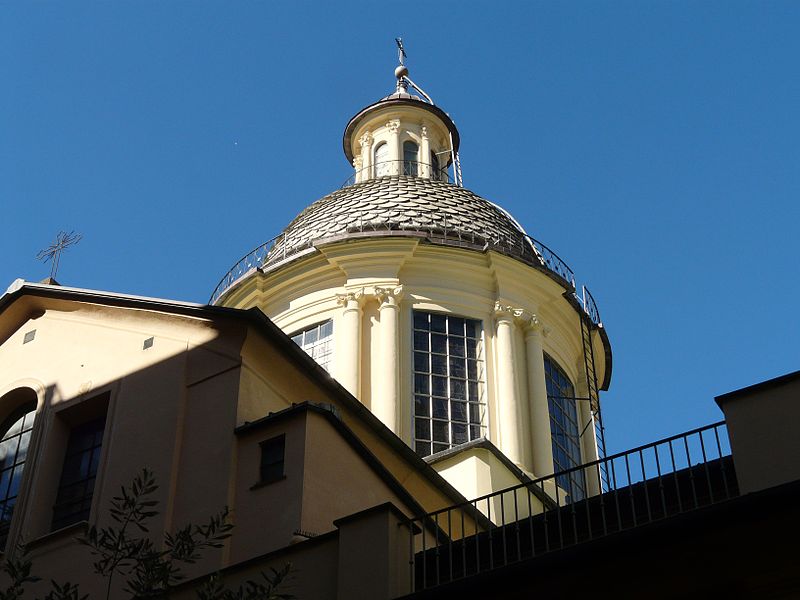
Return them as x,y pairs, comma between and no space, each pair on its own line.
432,305
411,206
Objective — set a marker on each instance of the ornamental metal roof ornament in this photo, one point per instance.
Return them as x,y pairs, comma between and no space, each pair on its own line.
53,252
403,83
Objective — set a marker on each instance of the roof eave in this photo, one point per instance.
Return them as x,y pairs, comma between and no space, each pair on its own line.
432,108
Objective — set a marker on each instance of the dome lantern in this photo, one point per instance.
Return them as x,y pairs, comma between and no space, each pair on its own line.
402,134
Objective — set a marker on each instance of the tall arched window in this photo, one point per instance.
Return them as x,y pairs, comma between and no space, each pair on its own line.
410,159
381,160
565,429
16,436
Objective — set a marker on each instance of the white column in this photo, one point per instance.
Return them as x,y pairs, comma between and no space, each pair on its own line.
395,156
425,154
387,404
348,352
537,391
507,391
366,156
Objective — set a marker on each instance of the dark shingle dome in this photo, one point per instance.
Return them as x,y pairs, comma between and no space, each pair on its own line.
405,205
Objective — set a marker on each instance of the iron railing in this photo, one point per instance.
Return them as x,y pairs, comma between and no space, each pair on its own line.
389,168
653,482
437,230
590,306
251,261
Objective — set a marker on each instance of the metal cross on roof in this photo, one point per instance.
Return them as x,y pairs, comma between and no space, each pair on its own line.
53,252
401,52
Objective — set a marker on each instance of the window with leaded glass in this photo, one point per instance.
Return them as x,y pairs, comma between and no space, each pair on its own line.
13,452
317,341
449,382
76,488
565,429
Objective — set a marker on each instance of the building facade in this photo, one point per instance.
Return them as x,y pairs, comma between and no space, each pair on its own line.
398,396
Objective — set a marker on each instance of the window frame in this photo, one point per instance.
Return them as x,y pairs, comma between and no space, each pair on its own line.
411,165
423,403
95,427
19,415
561,426
263,480
381,168
317,343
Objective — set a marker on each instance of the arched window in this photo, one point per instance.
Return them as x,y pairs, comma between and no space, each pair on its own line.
565,429
410,159
16,436
449,382
381,160
435,174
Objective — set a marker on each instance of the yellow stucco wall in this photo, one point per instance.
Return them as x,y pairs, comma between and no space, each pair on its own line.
432,278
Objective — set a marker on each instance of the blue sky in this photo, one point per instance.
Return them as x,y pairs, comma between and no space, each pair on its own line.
653,145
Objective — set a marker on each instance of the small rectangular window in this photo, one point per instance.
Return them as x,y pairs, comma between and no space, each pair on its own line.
272,459
75,490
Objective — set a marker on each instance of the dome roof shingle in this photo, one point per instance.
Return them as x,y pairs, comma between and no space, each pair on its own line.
404,205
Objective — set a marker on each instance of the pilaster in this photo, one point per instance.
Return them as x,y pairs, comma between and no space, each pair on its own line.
366,156
541,441
386,405
393,126
425,153
508,402
347,354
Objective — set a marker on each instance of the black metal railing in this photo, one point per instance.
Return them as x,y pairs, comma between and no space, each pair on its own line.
650,483
590,306
436,229
389,168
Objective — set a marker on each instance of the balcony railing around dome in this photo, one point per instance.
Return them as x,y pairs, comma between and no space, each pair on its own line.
654,482
438,231
389,168
590,306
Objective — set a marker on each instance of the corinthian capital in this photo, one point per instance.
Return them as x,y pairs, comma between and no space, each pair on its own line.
347,297
389,295
393,125
531,323
506,311
366,139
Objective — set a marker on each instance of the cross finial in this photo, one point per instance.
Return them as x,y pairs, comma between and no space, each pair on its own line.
401,52
53,252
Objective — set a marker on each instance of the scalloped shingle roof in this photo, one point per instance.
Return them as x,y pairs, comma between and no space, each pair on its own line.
405,205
